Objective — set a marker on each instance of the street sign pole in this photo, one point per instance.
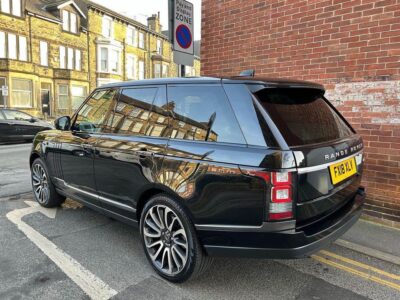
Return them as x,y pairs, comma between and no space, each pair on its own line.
181,32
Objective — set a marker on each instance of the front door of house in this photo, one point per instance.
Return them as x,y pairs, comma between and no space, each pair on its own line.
45,97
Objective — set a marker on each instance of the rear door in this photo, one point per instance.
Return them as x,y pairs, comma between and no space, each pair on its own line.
327,150
203,156
7,129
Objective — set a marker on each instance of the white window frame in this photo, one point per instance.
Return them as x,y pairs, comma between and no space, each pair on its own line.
70,58
73,22
110,31
111,61
141,70
63,55
3,50
30,105
22,48
65,20
165,71
83,97
12,46
141,40
59,94
6,6
44,53
159,45
131,36
157,70
16,8
131,66
78,60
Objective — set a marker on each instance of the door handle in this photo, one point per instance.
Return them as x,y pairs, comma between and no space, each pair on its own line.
143,153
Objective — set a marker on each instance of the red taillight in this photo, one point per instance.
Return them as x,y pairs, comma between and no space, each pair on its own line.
281,206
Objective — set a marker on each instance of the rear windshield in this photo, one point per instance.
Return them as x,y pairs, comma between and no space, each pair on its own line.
303,116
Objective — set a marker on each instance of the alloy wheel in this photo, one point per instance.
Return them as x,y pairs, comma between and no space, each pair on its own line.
40,183
165,239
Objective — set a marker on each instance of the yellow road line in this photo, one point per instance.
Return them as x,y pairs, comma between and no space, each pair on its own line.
361,265
356,272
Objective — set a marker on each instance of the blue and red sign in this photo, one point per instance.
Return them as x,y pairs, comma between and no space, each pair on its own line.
183,36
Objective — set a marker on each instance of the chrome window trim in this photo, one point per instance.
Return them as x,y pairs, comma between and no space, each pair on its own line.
326,165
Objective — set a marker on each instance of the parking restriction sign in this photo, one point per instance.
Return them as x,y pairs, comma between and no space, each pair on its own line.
182,33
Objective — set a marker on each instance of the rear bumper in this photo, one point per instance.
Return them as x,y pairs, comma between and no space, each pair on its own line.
282,244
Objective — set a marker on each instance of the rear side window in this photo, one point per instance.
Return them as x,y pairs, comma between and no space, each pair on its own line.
142,111
303,116
16,115
203,113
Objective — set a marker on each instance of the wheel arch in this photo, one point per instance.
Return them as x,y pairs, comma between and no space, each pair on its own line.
32,157
149,193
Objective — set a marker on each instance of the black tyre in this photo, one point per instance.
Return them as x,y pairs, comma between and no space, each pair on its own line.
43,189
169,240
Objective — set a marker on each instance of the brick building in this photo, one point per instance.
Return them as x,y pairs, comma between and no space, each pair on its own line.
55,52
350,46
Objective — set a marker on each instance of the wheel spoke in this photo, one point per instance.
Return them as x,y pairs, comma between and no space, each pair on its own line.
172,223
154,218
160,216
152,225
151,235
155,255
169,261
179,232
176,260
155,244
180,243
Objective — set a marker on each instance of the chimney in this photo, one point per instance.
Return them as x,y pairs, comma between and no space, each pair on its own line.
153,22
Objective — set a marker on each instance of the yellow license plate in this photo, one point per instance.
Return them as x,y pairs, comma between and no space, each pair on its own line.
343,170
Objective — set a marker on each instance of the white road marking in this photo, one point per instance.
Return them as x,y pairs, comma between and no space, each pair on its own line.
93,286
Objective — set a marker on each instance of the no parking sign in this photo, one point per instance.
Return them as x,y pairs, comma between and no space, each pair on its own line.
183,32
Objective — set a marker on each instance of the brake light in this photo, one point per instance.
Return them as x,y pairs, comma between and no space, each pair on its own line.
281,206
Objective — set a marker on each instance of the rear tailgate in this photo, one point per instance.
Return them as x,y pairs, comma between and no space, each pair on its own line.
328,152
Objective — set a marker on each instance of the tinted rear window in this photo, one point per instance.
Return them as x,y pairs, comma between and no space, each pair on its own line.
303,116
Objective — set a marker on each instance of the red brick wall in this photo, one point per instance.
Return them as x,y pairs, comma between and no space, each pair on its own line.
352,47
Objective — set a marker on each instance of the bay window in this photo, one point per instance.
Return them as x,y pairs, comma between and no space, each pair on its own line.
114,60
157,70
22,92
78,94
165,71
109,59
62,96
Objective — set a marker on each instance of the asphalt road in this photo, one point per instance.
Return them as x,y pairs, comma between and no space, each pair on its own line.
75,253
14,169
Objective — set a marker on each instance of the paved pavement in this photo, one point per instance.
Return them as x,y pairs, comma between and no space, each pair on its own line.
14,169
75,253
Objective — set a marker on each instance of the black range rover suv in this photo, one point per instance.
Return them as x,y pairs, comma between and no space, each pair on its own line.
208,166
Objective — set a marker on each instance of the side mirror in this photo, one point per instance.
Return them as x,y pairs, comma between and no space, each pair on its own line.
63,123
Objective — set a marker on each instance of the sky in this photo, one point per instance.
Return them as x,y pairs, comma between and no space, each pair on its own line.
141,9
